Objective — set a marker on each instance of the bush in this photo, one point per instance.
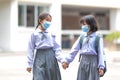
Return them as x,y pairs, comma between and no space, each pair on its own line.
113,36
111,40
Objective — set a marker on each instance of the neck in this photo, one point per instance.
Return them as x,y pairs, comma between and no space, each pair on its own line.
89,33
41,28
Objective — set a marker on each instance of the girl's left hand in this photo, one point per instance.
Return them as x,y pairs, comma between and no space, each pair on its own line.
101,72
29,69
65,65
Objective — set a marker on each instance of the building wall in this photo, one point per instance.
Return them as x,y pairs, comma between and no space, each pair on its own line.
115,19
93,3
5,26
15,38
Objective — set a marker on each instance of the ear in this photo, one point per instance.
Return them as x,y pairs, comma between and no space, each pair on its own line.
40,21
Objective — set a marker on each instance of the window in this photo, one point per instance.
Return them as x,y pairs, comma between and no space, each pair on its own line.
71,16
103,21
21,17
28,14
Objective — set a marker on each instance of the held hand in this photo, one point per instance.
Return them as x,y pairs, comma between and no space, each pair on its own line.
101,72
28,69
65,65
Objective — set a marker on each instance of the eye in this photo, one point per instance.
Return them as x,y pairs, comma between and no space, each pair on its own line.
83,24
48,19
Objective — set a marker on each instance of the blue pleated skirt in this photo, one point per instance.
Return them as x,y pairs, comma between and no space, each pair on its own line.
88,68
46,66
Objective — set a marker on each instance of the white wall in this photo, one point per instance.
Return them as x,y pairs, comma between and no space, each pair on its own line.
115,19
5,26
14,43
37,1
94,3
15,38
56,13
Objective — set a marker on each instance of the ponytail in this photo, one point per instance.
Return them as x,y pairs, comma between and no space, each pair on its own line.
37,26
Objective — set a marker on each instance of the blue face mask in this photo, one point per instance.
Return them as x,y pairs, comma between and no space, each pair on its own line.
85,28
46,24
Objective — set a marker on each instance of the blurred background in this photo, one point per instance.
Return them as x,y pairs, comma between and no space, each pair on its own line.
18,19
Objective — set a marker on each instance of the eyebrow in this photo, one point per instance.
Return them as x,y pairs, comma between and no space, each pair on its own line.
47,19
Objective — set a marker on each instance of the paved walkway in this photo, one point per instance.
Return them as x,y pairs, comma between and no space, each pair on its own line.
13,67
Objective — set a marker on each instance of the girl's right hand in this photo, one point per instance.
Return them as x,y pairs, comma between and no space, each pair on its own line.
29,69
101,72
65,65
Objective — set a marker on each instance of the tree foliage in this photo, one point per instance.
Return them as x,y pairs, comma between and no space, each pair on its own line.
113,36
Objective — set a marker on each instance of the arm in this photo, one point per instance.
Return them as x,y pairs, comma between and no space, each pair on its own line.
57,49
30,54
100,54
75,48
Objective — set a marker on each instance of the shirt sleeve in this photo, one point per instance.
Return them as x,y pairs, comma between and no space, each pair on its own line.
74,50
101,54
57,49
30,54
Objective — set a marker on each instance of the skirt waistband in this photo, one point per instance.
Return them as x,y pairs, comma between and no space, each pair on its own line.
44,49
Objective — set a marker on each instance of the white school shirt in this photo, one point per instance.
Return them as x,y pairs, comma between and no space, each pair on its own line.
87,48
35,42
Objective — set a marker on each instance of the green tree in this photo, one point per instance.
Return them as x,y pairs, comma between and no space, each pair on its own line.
113,36
112,39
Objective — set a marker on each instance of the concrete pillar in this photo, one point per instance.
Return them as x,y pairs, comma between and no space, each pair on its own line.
118,20
8,25
115,19
55,11
14,25
5,26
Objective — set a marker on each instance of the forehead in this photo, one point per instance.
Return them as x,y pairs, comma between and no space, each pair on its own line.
48,18
83,22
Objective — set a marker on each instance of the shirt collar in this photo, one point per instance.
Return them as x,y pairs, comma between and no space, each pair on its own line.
91,35
39,30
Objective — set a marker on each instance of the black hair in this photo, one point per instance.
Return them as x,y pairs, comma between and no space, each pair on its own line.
42,16
90,20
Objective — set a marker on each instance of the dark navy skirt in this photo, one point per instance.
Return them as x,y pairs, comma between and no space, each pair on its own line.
88,68
45,65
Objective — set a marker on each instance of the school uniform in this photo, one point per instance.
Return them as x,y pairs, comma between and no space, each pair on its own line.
89,61
44,61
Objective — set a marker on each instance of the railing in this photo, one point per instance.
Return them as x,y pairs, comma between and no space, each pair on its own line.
78,32
70,36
